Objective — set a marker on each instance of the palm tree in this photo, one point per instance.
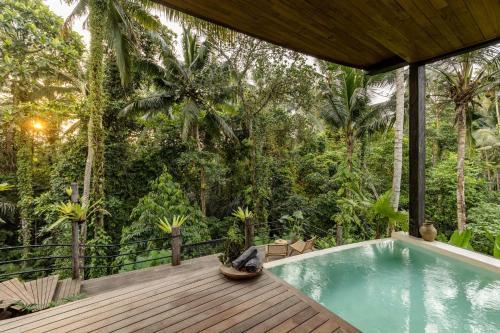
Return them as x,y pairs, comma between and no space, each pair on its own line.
464,78
194,82
114,22
346,93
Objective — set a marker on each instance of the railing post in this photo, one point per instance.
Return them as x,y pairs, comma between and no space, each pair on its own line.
248,233
176,246
75,244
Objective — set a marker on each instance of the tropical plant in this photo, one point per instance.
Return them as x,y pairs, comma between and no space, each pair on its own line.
294,224
196,84
461,239
233,245
463,79
6,207
496,243
75,212
177,221
242,214
384,217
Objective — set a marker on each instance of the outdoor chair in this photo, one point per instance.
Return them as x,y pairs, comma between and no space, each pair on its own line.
301,246
276,250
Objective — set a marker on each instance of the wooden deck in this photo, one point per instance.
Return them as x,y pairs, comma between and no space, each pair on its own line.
199,300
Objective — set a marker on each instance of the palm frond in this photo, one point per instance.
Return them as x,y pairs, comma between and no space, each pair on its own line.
81,9
151,104
222,125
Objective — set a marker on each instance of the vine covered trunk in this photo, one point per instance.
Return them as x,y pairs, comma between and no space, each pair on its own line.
95,74
24,160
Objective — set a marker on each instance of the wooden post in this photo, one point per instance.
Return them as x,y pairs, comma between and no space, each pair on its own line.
176,246
75,243
248,233
417,148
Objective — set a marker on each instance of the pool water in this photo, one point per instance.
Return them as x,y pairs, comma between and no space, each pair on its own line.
393,286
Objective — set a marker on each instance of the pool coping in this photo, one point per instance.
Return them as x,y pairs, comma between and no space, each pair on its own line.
322,252
473,258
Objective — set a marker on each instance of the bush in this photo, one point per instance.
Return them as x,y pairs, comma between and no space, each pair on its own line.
486,216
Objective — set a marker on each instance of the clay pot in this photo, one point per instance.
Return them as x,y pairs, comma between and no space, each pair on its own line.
428,231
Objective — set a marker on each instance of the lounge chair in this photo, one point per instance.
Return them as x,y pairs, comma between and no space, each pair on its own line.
302,247
276,250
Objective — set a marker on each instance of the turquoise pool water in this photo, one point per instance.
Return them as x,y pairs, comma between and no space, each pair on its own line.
393,286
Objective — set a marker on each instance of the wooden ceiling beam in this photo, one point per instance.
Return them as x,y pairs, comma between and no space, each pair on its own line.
372,35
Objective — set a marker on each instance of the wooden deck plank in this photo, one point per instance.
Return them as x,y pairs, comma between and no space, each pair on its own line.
311,324
248,313
278,318
199,314
15,289
83,312
253,316
294,321
60,292
235,309
245,325
52,290
170,318
328,327
106,298
102,316
192,301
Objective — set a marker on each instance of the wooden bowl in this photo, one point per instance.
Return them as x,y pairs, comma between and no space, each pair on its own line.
234,274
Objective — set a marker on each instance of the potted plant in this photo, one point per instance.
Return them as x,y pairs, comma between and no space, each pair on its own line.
233,246
245,216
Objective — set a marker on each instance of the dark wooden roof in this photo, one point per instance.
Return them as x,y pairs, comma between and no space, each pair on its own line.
367,34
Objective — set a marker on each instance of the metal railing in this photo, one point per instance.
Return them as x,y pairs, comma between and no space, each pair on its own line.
46,264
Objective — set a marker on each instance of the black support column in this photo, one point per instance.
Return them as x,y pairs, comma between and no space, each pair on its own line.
417,148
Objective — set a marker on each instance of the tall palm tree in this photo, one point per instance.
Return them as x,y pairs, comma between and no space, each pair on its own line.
196,83
464,78
346,92
114,22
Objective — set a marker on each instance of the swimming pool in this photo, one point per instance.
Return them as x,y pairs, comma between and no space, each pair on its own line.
395,286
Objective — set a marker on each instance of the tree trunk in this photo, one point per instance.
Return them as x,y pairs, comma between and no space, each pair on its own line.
461,218
96,19
398,138
350,148
24,161
253,169
338,236
203,176
497,95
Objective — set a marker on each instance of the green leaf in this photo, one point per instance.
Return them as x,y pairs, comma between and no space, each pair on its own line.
461,239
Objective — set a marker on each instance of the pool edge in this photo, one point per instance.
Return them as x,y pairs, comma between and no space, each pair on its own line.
473,258
322,252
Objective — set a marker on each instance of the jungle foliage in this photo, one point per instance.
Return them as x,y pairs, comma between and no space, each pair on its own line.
227,121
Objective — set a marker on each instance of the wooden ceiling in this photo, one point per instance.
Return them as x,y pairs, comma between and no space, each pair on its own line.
367,34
